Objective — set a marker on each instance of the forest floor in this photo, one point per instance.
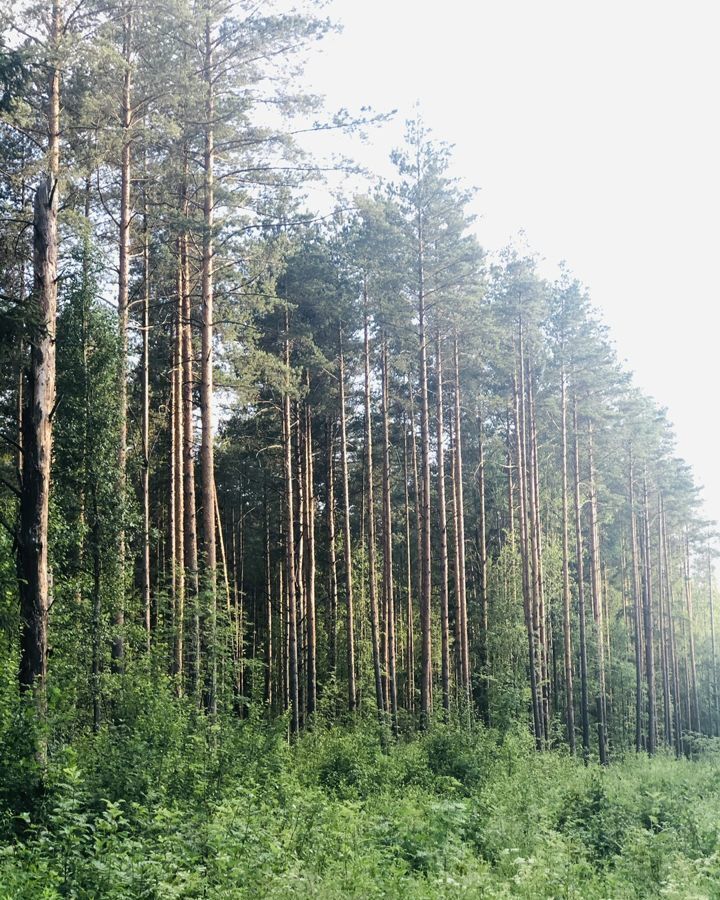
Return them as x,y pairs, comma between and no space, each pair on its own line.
165,805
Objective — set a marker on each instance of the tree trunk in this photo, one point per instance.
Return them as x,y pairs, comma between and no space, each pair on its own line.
294,697
310,548
39,397
33,573
178,491
597,599
118,638
460,533
648,625
190,523
526,575
584,687
674,667
694,701
567,632
352,685
535,535
374,618
269,649
637,614
145,437
663,629
207,459
715,694
388,587
409,615
332,552
482,549
425,523
442,522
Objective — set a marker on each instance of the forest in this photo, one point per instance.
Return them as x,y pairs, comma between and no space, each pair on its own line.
339,556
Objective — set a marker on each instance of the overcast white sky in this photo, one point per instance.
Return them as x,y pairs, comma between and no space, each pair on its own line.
593,127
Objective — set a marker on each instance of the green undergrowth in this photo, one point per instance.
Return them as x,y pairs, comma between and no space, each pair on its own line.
164,804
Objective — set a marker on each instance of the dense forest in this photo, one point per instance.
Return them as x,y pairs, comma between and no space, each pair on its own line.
338,556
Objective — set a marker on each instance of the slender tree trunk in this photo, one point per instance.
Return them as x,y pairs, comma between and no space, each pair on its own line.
300,593
526,576
425,523
310,546
637,614
460,534
663,629
190,523
269,648
714,693
597,598
510,489
172,505
410,615
145,380
294,696
584,687
178,491
352,685
332,552
388,587
567,632
674,667
118,639
374,618
442,522
482,549
535,535
207,459
694,700
648,624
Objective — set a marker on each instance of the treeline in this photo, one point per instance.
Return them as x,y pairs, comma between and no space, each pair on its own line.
297,464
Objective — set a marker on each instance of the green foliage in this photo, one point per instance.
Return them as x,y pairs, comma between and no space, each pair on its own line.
165,803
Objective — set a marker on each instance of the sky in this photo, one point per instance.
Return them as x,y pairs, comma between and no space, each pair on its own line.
593,128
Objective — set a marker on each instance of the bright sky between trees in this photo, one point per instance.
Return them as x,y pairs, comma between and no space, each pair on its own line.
591,127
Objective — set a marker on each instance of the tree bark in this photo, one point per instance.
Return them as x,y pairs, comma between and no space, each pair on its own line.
460,533
118,638
388,586
567,629
582,628
145,437
442,523
694,701
207,458
409,615
484,596
597,599
294,697
350,614
332,552
310,547
178,488
33,573
525,559
637,613
190,522
425,523
648,626
714,692
374,618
